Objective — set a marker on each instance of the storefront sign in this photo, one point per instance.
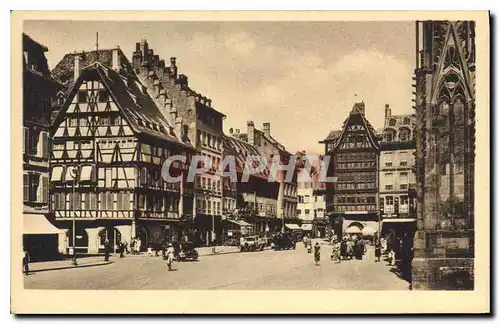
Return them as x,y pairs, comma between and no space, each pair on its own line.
79,237
229,233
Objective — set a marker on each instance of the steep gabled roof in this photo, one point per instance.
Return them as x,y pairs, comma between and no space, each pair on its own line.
139,109
241,150
359,111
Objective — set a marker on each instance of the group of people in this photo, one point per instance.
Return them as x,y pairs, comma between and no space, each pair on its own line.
350,247
317,248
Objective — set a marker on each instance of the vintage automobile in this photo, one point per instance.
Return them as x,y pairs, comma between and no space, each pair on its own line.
284,241
185,251
251,243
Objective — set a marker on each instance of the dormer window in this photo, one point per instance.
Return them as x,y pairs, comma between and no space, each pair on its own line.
404,135
392,122
389,135
406,121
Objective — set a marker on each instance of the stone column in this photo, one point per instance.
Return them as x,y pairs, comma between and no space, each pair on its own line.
93,234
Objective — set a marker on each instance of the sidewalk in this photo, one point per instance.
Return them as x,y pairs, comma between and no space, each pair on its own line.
207,250
82,262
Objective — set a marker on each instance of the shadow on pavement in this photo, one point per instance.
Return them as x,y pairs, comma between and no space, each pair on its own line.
72,267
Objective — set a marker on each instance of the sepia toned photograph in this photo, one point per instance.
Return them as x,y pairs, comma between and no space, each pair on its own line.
324,156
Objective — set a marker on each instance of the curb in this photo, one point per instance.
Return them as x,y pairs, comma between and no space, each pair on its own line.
87,265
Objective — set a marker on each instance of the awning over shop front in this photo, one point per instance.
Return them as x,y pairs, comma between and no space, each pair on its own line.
243,223
399,220
292,226
38,224
306,227
233,221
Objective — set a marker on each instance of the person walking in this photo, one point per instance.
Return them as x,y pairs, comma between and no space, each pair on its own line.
317,255
121,249
350,249
26,261
343,249
170,256
378,250
107,248
336,252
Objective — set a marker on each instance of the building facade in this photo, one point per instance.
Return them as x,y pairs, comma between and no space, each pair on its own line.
445,109
202,125
269,148
311,208
354,158
110,141
40,237
256,200
397,177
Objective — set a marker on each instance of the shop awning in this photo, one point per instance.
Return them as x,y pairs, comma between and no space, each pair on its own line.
233,221
38,224
307,227
399,220
292,226
243,223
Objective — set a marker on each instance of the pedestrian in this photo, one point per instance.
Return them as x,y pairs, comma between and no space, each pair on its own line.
26,261
138,246
121,249
343,249
170,256
125,245
107,248
350,249
378,250
336,252
317,255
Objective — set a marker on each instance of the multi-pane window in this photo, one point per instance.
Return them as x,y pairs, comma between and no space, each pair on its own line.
75,201
123,200
60,201
26,187
389,200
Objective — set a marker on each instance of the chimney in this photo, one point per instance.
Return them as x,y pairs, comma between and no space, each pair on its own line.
144,49
266,127
77,67
251,132
173,67
237,130
231,130
387,111
116,64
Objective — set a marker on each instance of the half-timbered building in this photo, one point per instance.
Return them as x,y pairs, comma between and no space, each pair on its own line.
352,199
110,142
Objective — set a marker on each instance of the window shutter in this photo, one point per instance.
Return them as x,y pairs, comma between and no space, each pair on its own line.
45,144
26,187
45,189
25,140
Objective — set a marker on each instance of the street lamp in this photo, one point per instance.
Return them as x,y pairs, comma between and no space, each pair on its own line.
74,175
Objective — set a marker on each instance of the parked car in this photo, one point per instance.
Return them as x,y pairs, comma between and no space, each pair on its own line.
251,243
284,241
185,251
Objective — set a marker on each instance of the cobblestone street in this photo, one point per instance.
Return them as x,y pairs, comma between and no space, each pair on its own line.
293,269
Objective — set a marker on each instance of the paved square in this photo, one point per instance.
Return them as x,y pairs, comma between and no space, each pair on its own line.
293,269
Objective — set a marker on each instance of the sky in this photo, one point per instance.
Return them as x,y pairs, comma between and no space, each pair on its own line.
302,77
